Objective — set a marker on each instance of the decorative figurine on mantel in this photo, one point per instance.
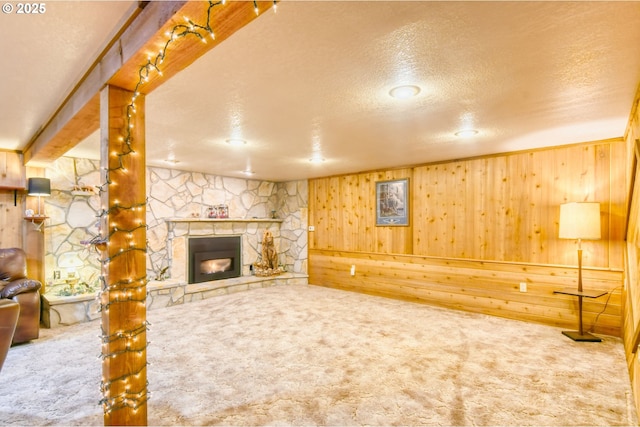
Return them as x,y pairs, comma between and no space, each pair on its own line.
217,211
268,266
223,211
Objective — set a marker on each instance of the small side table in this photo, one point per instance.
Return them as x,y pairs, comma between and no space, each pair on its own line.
580,335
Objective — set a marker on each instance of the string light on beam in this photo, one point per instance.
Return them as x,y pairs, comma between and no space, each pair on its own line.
126,239
257,10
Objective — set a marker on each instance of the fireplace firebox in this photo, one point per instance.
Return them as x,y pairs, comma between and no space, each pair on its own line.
214,258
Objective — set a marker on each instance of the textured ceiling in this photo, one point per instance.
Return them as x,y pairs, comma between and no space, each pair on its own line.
43,57
313,80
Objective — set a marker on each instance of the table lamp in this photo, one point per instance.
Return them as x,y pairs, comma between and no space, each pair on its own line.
39,187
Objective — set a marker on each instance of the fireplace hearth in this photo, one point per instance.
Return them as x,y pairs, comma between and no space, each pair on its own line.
214,258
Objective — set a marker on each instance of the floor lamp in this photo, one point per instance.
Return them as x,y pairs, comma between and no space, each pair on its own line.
580,220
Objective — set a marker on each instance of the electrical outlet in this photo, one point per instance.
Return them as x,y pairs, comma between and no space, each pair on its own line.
523,286
312,228
353,270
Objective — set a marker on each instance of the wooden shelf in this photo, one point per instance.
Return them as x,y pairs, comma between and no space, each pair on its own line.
36,218
83,193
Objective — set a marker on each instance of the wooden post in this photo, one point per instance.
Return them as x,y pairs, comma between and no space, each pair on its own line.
123,230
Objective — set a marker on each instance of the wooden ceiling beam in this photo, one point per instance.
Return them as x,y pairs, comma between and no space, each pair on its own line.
140,38
78,116
225,19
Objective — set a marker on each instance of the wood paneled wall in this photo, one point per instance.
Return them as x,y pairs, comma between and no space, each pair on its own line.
15,231
344,215
478,228
11,222
506,208
631,305
12,199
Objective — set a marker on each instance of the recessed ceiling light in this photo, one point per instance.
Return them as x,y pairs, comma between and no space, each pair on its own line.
316,160
466,133
248,172
404,92
172,161
236,142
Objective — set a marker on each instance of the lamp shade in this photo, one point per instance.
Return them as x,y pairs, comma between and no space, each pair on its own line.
39,187
580,220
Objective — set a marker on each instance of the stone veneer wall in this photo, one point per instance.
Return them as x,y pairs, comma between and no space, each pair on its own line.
171,194
73,216
178,194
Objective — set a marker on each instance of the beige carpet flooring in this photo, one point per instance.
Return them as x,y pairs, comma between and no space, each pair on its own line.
306,355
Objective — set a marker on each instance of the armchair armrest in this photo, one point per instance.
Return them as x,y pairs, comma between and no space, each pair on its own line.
20,286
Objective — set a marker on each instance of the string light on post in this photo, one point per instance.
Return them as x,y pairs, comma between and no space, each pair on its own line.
123,225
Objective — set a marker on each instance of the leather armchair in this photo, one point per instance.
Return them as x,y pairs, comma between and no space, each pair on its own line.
15,285
9,312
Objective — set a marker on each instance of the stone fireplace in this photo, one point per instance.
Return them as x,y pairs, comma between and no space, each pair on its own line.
174,290
214,258
183,232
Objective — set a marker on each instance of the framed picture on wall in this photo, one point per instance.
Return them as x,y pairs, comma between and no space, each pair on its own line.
392,202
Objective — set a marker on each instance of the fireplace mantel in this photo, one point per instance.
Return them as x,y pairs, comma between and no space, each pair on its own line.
181,230
245,220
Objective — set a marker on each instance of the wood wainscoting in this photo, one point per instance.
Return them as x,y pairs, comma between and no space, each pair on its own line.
478,228
487,287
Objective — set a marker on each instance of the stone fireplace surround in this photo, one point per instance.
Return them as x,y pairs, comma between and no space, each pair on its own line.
62,311
250,230
172,194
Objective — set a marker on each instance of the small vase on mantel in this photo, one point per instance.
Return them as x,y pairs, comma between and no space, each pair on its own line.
223,211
